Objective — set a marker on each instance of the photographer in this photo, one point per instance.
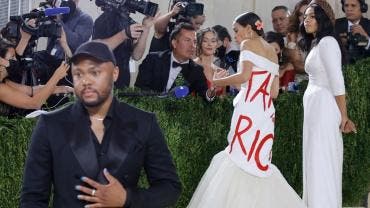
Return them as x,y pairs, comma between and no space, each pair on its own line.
35,67
354,30
180,12
23,96
125,37
78,27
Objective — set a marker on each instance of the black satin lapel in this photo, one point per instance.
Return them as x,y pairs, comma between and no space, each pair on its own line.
124,138
83,148
166,69
121,142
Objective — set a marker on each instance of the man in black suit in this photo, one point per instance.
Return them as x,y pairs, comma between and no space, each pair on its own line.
92,151
161,71
354,30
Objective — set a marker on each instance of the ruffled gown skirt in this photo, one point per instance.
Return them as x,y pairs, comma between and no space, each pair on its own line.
225,185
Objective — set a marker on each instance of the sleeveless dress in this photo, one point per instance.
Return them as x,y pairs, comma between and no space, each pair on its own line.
322,139
242,175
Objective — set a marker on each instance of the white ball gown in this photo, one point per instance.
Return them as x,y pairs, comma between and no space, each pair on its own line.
242,175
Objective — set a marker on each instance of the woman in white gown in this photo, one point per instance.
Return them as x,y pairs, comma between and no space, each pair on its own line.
325,114
242,175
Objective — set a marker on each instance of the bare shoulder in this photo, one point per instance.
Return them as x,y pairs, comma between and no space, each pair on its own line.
250,45
271,54
261,48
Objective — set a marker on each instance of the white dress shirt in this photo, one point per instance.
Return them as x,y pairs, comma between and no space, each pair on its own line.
174,71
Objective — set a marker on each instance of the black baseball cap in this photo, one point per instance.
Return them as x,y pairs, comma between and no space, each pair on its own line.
95,49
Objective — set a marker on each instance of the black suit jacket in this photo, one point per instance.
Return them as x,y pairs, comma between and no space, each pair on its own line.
155,69
61,151
341,27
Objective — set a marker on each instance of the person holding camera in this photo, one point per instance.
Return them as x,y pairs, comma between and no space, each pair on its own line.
179,13
354,30
23,96
125,37
76,25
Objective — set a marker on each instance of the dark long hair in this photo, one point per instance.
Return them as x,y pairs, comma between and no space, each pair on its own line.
250,18
294,18
324,28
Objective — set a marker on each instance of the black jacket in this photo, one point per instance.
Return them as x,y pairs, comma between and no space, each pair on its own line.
155,69
354,53
61,151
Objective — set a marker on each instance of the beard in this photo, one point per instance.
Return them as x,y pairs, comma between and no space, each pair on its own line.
101,97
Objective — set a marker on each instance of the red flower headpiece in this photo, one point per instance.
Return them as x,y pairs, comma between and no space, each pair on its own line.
259,25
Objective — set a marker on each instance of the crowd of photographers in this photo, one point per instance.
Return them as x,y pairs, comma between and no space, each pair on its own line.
28,76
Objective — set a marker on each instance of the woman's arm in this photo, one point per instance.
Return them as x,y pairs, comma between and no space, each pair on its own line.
235,79
346,125
33,90
27,90
160,26
22,45
330,55
140,46
20,99
275,87
64,44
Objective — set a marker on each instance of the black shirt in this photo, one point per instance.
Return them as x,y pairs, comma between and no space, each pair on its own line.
102,148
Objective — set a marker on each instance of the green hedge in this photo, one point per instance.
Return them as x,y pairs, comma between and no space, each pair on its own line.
196,130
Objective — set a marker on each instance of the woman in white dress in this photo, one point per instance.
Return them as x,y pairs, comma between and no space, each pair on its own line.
242,175
325,113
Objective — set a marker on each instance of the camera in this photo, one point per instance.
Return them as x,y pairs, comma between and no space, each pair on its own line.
34,66
357,40
190,8
45,23
128,6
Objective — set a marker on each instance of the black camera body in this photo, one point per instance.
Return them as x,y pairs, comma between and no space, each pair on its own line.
357,40
128,6
356,46
46,26
34,66
191,9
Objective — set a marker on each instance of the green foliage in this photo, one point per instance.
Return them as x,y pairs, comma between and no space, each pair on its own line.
196,130
14,134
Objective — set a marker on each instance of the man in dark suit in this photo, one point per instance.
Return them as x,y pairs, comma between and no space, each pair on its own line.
161,71
92,151
354,30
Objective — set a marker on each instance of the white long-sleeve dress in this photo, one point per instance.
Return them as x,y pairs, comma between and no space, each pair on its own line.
322,139
242,175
